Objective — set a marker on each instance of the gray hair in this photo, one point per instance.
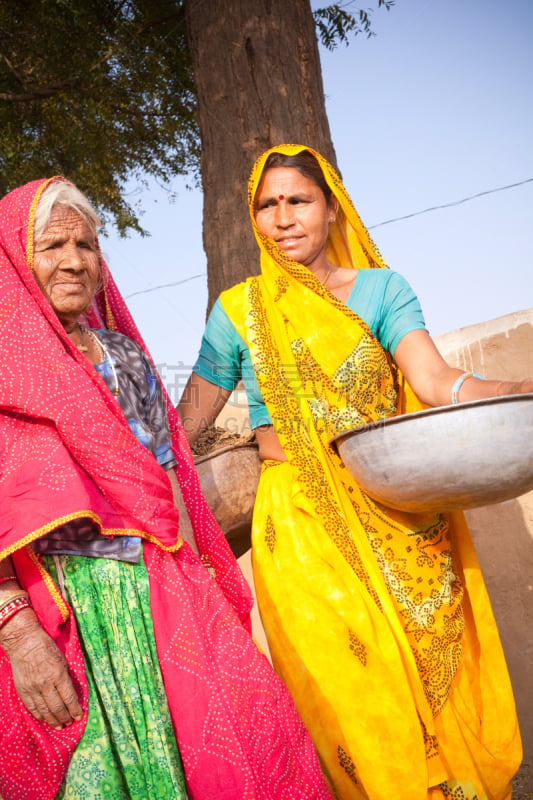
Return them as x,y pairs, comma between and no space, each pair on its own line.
64,195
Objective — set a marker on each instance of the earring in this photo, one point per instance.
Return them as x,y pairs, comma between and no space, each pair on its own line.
331,219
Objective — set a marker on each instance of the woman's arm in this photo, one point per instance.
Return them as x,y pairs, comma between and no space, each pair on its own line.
432,380
185,529
40,672
200,405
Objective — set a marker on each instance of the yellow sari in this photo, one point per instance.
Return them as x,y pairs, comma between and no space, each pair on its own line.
379,622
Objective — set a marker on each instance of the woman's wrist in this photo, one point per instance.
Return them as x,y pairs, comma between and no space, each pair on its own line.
459,382
9,608
16,631
18,621
12,597
7,599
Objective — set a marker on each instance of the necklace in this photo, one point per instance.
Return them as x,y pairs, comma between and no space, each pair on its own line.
107,358
82,347
99,345
103,353
328,273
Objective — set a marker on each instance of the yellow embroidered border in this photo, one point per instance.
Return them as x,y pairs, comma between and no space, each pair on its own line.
31,218
56,523
55,594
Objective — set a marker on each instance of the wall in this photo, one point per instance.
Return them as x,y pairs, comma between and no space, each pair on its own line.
503,533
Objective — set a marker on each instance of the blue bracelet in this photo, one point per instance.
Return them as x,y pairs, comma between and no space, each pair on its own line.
459,382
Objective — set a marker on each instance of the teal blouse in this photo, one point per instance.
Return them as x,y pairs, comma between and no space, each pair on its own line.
381,297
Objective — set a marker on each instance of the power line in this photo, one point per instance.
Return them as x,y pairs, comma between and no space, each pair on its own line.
454,203
370,227
165,285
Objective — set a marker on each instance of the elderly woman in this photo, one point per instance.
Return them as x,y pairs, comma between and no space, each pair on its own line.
378,621
126,665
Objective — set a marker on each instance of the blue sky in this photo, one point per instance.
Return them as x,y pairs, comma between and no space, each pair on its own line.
436,108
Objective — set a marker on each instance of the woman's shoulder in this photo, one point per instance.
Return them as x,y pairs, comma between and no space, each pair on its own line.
118,341
380,277
113,336
234,302
385,283
237,290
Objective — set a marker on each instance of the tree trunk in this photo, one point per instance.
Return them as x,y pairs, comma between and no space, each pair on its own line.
259,83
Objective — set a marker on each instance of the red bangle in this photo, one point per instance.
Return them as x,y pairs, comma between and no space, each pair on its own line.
13,608
7,578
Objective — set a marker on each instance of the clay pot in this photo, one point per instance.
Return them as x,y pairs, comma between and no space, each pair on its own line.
229,478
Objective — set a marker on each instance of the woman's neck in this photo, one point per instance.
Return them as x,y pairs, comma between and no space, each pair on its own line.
340,282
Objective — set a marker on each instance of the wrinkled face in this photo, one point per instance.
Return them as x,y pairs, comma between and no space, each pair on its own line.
66,264
291,209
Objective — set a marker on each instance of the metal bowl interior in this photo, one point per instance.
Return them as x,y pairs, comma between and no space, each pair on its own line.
441,459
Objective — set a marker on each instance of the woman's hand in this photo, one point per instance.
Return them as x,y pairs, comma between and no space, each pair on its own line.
521,387
40,671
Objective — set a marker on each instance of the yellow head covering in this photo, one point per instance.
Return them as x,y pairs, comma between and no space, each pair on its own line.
349,243
310,337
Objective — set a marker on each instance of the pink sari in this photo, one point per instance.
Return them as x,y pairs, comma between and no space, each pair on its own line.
67,451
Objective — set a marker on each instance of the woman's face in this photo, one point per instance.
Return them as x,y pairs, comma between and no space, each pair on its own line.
291,209
66,264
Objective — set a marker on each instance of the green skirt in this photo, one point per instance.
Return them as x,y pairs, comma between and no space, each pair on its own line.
128,749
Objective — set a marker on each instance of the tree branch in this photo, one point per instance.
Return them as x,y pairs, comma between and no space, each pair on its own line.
17,75
42,93
69,84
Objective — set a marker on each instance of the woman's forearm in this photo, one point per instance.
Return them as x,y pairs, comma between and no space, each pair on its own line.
200,405
437,384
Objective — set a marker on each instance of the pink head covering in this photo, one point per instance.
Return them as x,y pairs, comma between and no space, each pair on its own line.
67,449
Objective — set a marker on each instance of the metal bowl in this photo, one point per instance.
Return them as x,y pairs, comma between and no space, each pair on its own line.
451,457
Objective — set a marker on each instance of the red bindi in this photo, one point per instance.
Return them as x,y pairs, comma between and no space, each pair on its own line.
282,197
